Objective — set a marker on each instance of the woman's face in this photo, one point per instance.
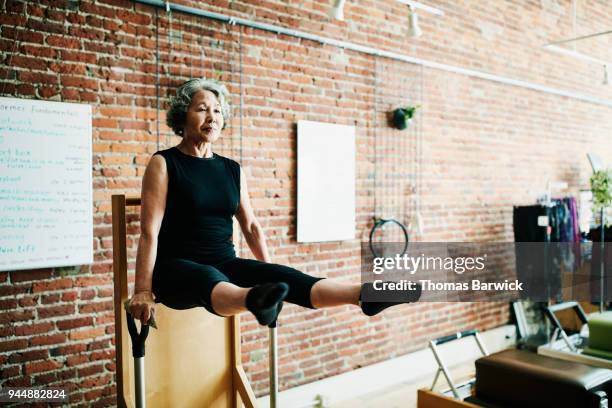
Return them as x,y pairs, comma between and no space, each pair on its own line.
204,120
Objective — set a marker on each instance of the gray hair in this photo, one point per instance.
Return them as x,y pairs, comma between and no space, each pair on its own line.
179,105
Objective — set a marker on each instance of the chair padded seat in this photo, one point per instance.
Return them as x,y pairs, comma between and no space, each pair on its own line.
607,355
518,378
600,331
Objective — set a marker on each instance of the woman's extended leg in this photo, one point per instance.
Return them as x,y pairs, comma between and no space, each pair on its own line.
328,293
305,290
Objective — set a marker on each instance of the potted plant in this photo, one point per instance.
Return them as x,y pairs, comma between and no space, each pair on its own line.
401,117
601,186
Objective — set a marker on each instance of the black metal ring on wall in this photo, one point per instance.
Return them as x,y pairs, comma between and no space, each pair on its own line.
378,223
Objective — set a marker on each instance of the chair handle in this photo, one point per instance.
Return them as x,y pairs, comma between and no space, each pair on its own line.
138,339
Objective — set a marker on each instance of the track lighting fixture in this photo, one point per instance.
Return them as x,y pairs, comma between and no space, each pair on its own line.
413,26
414,30
337,11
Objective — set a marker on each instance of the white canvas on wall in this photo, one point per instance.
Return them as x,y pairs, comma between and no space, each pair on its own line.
325,182
46,215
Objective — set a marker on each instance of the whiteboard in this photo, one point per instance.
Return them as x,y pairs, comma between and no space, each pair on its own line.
325,182
46,215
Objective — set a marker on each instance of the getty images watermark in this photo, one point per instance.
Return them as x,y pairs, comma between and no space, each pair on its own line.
485,271
458,265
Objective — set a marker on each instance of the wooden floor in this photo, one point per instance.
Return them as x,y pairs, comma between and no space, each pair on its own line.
404,395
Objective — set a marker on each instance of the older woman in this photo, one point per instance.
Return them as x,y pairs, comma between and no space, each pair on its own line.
185,255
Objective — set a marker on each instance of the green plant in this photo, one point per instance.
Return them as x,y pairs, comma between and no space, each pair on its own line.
402,116
601,186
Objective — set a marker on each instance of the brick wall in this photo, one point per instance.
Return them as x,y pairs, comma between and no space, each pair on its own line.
486,146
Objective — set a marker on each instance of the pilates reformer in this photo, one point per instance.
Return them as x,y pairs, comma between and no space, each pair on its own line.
455,394
464,389
212,377
571,347
513,378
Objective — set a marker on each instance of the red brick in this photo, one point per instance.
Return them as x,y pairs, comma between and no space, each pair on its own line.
89,33
96,381
45,340
77,360
87,294
29,329
86,96
15,7
6,331
102,355
98,10
35,10
28,356
64,42
99,47
16,316
69,296
29,301
35,51
63,68
30,275
136,18
44,379
23,36
93,395
79,82
74,323
67,350
53,311
42,366
12,20
8,372
66,374
8,304
105,123
78,56
13,345
87,334
90,370
100,344
18,382
45,26
55,15
105,292
75,18
26,90
50,299
63,283
47,92
88,281
102,268
70,94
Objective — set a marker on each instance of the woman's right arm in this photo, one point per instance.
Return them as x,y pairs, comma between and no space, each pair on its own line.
153,205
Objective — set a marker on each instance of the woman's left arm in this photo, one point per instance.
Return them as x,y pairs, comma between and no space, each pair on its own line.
249,225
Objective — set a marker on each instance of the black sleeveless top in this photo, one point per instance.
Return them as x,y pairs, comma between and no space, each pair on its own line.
203,195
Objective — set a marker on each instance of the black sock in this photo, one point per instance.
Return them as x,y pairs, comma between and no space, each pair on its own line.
265,301
373,308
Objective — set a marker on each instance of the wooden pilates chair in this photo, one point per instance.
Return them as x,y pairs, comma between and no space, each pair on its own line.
193,360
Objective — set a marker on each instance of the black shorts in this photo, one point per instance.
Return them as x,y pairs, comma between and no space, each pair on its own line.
184,284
